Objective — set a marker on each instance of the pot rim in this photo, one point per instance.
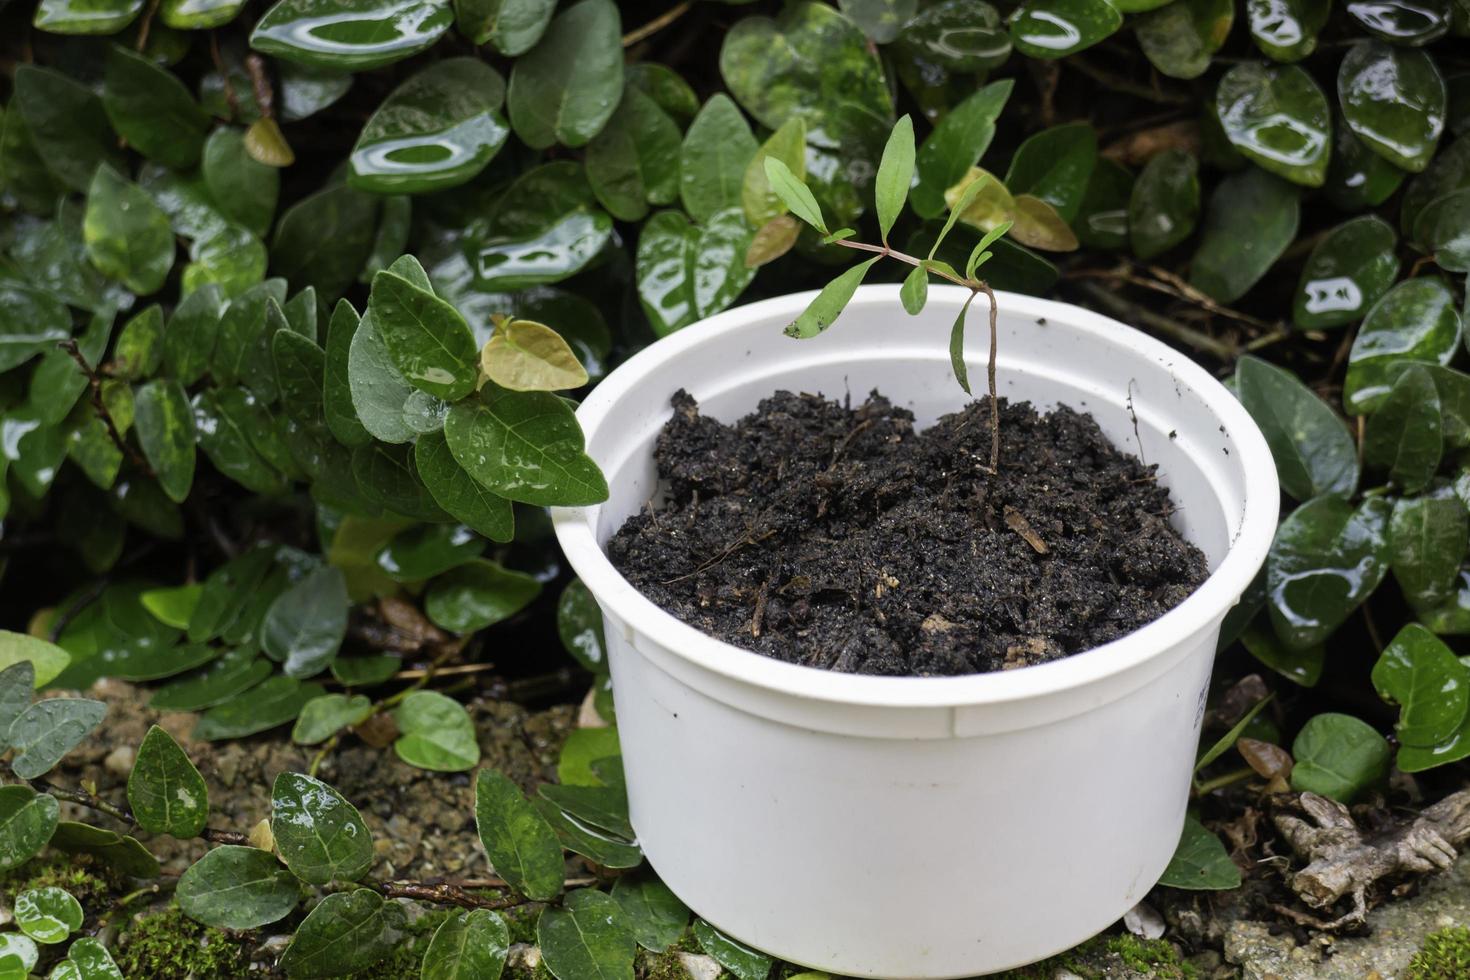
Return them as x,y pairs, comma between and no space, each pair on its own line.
1220,591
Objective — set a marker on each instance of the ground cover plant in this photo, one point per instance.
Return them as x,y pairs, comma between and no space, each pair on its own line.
295,299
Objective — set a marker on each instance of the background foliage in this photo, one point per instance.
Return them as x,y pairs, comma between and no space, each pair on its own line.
257,260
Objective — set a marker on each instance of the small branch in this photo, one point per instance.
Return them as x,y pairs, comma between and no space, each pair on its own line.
990,378
94,802
224,74
265,97
147,23
1174,330
94,381
443,894
657,24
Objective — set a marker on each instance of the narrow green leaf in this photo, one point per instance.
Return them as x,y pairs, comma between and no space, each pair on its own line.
829,303
895,174
957,346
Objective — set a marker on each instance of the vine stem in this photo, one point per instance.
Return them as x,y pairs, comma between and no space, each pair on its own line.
657,24
94,382
94,802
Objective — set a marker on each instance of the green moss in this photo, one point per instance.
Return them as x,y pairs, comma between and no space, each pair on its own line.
1445,955
660,966
169,945
1102,957
1155,957
87,880
521,921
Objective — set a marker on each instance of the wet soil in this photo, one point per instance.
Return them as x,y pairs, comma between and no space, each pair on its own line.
840,537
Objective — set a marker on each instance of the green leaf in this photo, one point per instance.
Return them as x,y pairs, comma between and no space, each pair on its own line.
244,189
1278,118
323,240
605,807
125,854
67,124
165,426
46,659
744,962
583,747
586,939
357,672
759,198
1404,435
27,821
467,946
1403,23
189,339
1357,177
92,960
1448,231
379,393
347,932
139,347
566,88
437,130
1448,173
1200,862
1313,450
460,494
340,35
1348,271
521,845
48,915
260,708
1179,39
341,415
234,887
915,290
428,341
17,684
1394,99
961,35
224,430
687,272
306,624
654,914
814,63
829,303
958,141
48,730
1415,321
128,237
1338,756
151,109
1251,220
197,15
663,85
525,446
1054,165
1165,203
85,16
593,843
388,477
232,674
226,591
511,27
713,158
1056,28
1429,684
1286,30
323,717
31,322
1326,559
1229,740
634,161
880,20
435,733
165,791
319,835
957,346
579,623
895,174
18,954
478,594
794,193
422,552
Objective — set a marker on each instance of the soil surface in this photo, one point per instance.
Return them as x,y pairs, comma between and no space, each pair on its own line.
839,537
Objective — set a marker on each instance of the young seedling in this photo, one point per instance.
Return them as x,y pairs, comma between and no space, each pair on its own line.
895,174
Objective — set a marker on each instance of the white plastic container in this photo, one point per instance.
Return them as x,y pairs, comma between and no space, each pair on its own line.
920,827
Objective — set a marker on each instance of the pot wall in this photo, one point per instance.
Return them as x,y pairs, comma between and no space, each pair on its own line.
920,827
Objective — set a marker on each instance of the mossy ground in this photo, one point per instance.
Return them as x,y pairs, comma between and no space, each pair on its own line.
1102,957
1445,955
168,945
86,879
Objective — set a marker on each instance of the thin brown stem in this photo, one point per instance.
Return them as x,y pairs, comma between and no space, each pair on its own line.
657,24
94,382
265,97
224,75
444,893
146,23
92,801
990,378
1173,329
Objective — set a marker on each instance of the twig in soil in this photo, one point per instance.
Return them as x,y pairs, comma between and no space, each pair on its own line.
1343,861
1017,522
94,382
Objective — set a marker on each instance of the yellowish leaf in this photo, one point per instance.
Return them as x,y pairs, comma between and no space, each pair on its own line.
773,240
1037,224
266,144
524,355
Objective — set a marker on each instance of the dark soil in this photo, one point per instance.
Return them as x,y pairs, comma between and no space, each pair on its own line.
840,537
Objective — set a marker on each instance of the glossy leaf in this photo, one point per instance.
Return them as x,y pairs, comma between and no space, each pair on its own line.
48,915
244,189
195,15
955,145
346,933
460,494
344,36
587,937
527,356
27,821
1339,757
1313,450
48,730
742,961
260,708
1057,28
1415,321
594,843
1286,30
85,16
305,625
634,161
1448,231
579,623
1394,99
512,27
1251,219
1347,272
67,125
1165,203
1180,38
428,341
961,35
323,240
688,272
1423,677
713,157
435,733
566,88
1278,118
1357,177
1404,435
1300,665
478,594
522,847
151,109
128,237
1326,559
467,946
1054,166
880,20
1402,21
654,914
319,835
526,446
1200,862
165,791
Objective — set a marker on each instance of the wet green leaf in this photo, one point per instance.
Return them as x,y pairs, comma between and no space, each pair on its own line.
1404,435
85,16
511,27
48,915
422,552
235,887
225,436
1057,28
829,303
27,821
1286,30
1403,21
48,730
687,272
634,161
1449,172
1356,176
956,144
521,845
605,807
345,933
525,446
128,237
587,938
46,658
1348,271
467,946
165,791
387,476
545,229
259,708
1102,218
428,341
1251,219
436,130
1415,321
323,717
663,85
196,15
319,835
31,322
1279,118
1054,165
960,35
323,240
1165,203
460,494
744,962
139,347
165,425
1326,559
18,954
1200,862
654,914
1394,99
233,673
377,390
1299,665
306,624
1313,450
591,842
345,36
92,961
17,684
713,157
52,256
244,189
566,88
152,110
193,328
67,125
478,594
579,622
1428,683
1338,756
1180,38
1448,231
435,733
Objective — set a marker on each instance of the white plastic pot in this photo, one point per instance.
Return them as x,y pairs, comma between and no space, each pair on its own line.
920,827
